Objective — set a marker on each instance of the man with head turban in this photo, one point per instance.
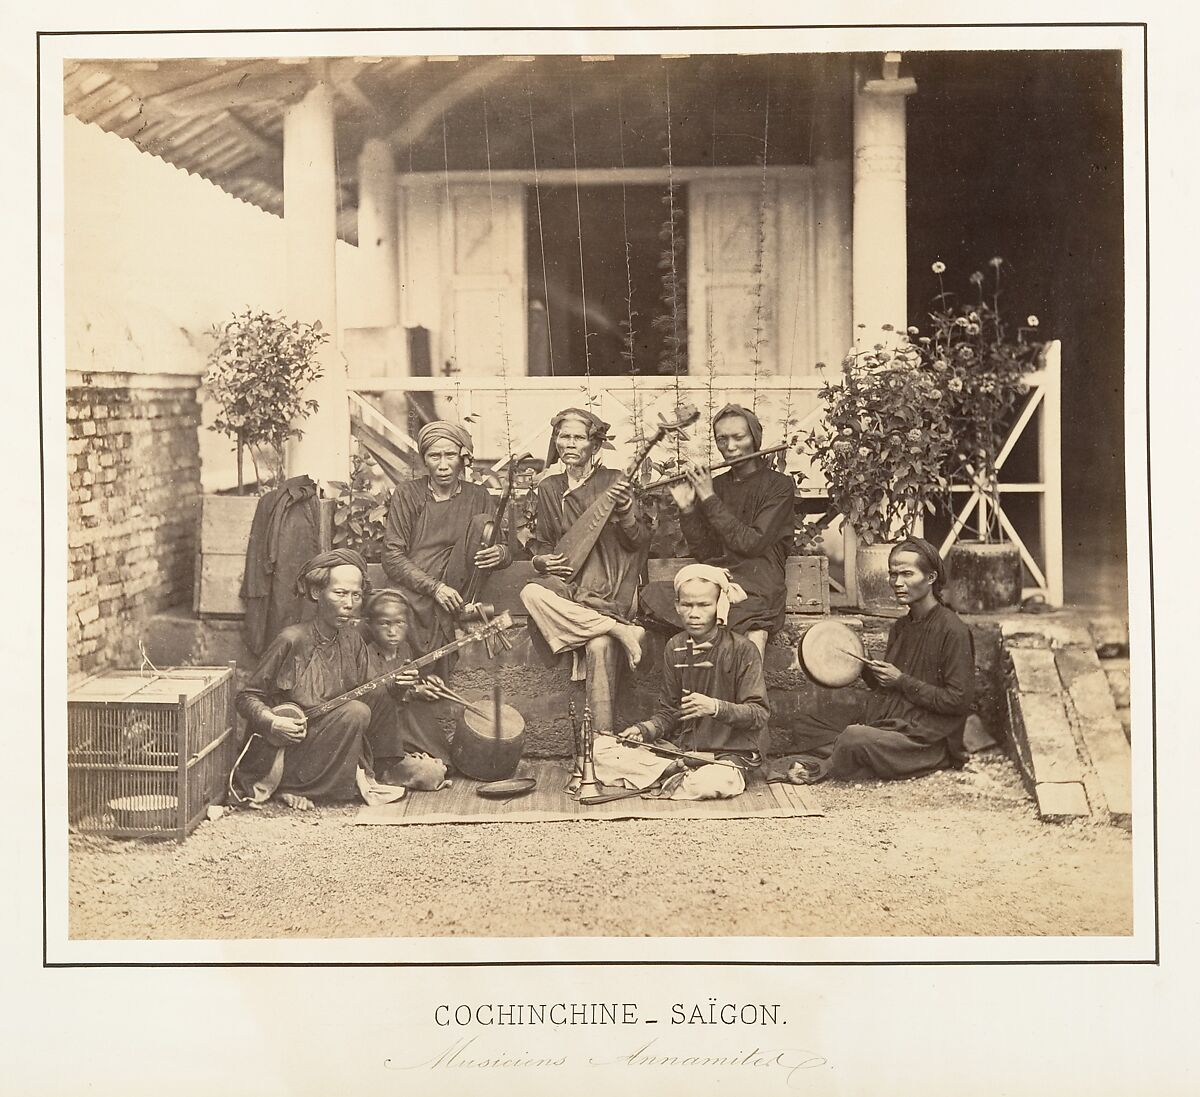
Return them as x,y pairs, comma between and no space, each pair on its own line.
582,605
713,696
742,519
327,756
922,691
429,521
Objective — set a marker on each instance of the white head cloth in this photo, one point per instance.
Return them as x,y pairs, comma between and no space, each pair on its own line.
730,592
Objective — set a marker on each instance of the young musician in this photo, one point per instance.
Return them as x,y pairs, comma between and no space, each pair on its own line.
923,690
719,706
427,520
408,745
565,612
328,757
742,519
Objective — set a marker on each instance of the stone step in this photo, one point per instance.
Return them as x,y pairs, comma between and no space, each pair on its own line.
1118,680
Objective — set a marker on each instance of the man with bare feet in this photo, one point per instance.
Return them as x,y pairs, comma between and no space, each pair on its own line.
577,605
329,756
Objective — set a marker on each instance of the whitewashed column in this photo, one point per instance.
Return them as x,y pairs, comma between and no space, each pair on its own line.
834,208
880,255
377,239
310,220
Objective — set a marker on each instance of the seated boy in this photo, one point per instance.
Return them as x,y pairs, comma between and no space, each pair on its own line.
409,747
719,706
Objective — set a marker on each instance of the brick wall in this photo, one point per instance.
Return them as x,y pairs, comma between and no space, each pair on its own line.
133,504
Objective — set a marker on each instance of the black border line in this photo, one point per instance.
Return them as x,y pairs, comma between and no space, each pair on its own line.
1155,960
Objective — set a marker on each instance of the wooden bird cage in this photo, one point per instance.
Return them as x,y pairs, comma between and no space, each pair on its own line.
148,752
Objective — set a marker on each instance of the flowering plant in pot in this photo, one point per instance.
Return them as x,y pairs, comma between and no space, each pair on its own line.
883,446
983,372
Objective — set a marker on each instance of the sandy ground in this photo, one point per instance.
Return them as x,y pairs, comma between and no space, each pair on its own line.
949,854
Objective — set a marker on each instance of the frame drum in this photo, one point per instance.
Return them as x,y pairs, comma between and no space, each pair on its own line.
831,654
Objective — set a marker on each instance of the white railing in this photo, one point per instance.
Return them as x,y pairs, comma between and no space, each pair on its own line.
513,416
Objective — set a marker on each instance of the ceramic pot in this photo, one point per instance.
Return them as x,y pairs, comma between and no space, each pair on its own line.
984,577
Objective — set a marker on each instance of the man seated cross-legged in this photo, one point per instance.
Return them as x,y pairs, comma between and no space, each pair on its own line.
713,698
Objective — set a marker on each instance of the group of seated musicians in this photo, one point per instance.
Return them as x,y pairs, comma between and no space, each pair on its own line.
738,525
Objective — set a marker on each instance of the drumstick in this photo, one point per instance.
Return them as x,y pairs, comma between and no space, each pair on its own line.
458,699
854,656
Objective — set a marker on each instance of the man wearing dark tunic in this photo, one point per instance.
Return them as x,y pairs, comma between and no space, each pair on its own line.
326,757
713,697
923,690
569,609
428,518
742,520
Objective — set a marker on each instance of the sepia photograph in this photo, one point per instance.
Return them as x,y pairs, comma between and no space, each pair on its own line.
620,494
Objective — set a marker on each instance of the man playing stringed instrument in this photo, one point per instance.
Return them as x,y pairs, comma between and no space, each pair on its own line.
427,522
328,756
742,520
570,605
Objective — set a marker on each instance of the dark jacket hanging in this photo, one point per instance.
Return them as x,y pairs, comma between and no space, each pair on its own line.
285,533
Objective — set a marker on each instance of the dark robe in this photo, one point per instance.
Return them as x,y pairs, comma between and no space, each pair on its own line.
420,535
285,533
401,724
735,679
609,578
302,666
914,728
747,526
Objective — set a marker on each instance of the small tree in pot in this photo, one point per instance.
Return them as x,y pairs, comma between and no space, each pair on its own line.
982,373
883,448
258,370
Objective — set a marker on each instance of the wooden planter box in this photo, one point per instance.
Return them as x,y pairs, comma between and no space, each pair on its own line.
225,522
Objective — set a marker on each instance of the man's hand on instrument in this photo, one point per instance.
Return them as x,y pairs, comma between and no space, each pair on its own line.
406,677
622,493
553,563
448,598
488,558
684,495
695,705
886,674
700,479
429,688
633,734
285,730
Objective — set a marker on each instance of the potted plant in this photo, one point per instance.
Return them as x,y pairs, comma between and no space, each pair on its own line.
982,373
883,447
258,370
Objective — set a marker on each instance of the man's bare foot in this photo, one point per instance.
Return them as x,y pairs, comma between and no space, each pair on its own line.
300,803
630,638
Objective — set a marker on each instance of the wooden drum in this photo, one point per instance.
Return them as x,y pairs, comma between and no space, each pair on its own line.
481,750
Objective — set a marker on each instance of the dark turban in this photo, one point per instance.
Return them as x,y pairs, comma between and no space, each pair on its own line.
752,421
323,561
441,431
597,430
931,560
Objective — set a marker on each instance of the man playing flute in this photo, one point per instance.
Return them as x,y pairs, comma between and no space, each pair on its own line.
742,520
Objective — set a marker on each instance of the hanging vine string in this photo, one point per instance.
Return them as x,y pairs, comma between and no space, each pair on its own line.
673,278
587,359
448,214
760,243
487,145
630,352
537,194
711,265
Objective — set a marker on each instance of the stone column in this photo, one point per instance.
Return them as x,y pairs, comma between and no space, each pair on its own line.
880,255
310,219
377,239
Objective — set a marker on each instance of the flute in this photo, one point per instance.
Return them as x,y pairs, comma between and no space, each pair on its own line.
678,478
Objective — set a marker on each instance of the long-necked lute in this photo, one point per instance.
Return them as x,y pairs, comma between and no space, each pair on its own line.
679,477
483,532
577,543
295,712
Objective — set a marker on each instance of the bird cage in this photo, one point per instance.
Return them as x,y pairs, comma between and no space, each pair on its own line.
148,752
